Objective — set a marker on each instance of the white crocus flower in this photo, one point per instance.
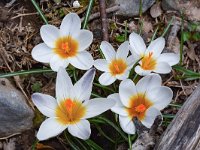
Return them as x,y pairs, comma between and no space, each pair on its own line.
65,45
143,101
71,108
152,59
116,65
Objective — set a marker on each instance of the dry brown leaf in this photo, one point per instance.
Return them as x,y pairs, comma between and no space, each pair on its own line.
191,52
156,10
132,26
147,26
174,46
40,146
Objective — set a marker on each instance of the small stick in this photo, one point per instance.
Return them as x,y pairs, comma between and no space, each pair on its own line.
102,7
97,15
22,15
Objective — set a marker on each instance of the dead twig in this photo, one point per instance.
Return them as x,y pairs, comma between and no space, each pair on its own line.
97,15
102,7
22,15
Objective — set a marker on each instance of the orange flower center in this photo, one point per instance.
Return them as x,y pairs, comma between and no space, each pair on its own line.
138,106
148,62
66,47
70,112
117,66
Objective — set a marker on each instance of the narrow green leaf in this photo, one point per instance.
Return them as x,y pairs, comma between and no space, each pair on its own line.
93,144
89,8
39,11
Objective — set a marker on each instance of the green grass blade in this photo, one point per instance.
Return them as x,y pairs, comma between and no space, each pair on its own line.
93,145
70,142
169,116
85,22
115,127
103,133
25,72
39,11
167,28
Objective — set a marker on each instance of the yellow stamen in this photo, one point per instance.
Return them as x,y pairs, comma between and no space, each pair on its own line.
66,47
117,66
140,108
70,111
148,62
138,105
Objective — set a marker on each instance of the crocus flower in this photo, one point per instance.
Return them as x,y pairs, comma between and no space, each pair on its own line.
71,108
143,101
65,45
152,59
116,65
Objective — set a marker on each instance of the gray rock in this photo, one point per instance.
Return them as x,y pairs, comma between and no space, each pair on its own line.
169,5
15,115
190,8
130,8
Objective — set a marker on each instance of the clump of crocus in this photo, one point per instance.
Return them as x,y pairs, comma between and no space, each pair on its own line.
116,65
65,45
71,108
143,101
151,58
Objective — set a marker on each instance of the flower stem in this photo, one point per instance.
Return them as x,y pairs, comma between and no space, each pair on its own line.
167,28
126,31
154,34
103,87
85,22
181,45
129,142
39,11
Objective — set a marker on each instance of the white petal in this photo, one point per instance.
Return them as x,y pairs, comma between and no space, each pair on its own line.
126,90
118,108
123,50
50,128
127,124
71,25
148,82
150,116
160,96
131,60
49,34
163,68
81,129
42,53
45,103
137,44
56,62
84,39
156,47
106,79
83,60
63,85
141,71
123,76
97,106
170,58
108,51
82,89
101,64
